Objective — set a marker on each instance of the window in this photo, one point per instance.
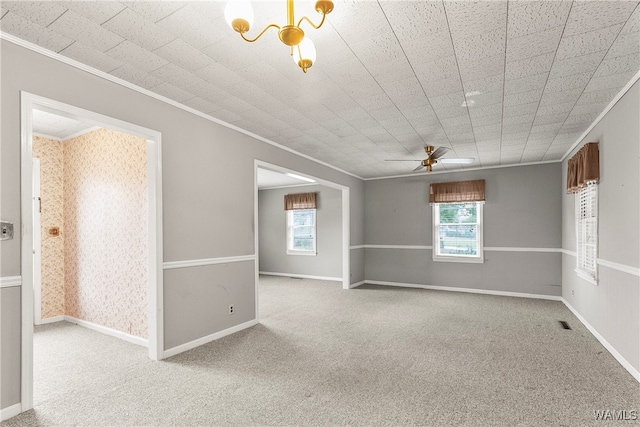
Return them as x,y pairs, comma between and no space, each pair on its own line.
587,232
457,232
301,232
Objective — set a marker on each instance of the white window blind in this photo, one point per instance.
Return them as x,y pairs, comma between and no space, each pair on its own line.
587,232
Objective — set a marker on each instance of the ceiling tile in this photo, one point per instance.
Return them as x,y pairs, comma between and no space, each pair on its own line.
91,57
381,48
172,92
177,76
482,68
154,10
525,84
480,46
605,95
592,15
529,17
624,44
487,84
201,105
577,65
138,29
467,19
96,11
562,84
609,81
134,55
533,44
42,13
517,110
137,77
194,28
516,120
569,96
529,66
179,52
521,98
77,27
589,42
618,65
416,20
437,69
34,33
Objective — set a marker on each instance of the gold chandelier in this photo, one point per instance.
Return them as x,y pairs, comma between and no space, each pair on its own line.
239,15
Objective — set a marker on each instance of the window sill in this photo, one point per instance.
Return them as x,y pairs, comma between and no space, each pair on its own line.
459,259
586,277
305,253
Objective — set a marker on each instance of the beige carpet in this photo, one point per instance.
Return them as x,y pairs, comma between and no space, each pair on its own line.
324,356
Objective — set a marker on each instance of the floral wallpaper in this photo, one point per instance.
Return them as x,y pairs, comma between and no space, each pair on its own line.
94,188
50,153
105,222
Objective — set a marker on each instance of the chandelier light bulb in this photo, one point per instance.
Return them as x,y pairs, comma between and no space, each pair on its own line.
304,54
239,15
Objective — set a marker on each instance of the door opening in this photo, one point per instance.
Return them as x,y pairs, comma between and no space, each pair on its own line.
150,144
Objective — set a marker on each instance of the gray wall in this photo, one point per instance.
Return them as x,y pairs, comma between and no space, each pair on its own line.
9,346
523,210
208,191
611,307
272,233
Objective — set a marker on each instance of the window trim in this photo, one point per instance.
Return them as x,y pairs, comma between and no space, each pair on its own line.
591,191
289,234
479,258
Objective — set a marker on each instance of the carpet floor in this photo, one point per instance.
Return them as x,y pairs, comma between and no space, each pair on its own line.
321,355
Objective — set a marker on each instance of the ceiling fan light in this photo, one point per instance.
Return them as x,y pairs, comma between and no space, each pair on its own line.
239,15
304,54
460,160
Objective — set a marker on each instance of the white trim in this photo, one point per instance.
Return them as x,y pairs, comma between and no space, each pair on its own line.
613,102
302,276
515,249
82,132
546,162
10,281
355,285
351,248
37,241
29,102
170,265
277,187
634,271
52,320
467,290
108,331
42,135
204,340
625,364
10,411
398,247
28,45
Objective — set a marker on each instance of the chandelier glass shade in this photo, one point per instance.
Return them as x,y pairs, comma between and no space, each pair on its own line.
239,15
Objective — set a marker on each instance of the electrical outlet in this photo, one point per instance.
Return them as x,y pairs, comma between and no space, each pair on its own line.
231,309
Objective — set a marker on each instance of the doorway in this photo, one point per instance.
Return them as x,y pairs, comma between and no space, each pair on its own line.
151,143
261,167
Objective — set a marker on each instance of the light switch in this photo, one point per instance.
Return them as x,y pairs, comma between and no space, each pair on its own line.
6,230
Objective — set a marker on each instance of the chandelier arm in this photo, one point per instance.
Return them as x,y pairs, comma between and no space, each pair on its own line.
304,18
261,33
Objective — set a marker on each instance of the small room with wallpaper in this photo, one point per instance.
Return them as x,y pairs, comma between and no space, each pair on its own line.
430,216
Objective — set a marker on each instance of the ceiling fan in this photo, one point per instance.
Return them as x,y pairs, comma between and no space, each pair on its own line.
434,157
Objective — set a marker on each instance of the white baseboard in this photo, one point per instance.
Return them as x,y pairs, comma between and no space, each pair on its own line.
52,320
108,331
467,290
302,276
10,411
355,285
10,281
625,364
204,340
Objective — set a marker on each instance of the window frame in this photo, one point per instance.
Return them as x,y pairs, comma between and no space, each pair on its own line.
587,197
477,259
290,235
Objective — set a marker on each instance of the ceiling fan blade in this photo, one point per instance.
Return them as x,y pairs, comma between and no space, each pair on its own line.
419,167
459,160
439,152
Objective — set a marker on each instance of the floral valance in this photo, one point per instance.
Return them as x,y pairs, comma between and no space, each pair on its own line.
300,201
455,192
583,167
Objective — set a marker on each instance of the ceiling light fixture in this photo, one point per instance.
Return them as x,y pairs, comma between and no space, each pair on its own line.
239,15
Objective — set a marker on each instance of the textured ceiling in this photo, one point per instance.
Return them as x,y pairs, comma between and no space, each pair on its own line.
503,82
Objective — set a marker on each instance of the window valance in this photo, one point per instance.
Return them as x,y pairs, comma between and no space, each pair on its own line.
583,167
455,192
300,201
